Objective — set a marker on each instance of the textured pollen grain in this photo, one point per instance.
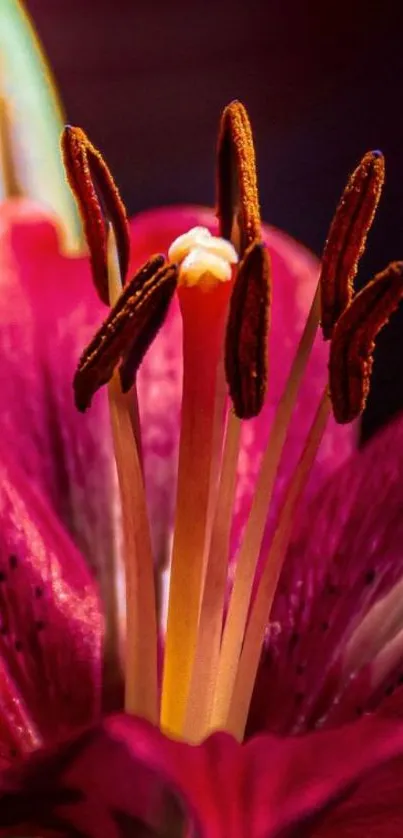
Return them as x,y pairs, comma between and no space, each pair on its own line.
237,191
128,331
353,341
347,237
246,342
99,204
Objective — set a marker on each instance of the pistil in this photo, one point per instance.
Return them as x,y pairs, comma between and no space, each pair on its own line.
246,372
203,313
246,351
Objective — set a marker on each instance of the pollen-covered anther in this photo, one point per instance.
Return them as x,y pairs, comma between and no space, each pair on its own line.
128,331
246,342
204,260
347,238
99,203
353,341
237,191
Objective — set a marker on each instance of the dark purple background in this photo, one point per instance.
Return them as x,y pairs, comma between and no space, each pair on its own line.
322,82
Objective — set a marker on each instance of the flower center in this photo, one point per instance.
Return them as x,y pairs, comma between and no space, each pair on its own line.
213,643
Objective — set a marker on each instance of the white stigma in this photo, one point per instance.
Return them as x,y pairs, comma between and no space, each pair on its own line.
203,259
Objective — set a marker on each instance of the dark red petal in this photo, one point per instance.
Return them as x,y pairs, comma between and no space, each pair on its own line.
115,781
126,775
374,809
49,311
327,773
50,623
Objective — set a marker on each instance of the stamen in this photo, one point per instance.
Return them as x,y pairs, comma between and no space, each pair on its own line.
246,343
99,202
157,298
201,310
248,556
347,237
141,682
220,418
353,339
128,330
141,688
115,291
261,607
237,193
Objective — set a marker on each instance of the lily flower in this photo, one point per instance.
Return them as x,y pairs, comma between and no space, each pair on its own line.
276,711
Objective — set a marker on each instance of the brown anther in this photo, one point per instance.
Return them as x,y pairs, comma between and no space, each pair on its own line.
352,345
237,193
247,332
128,331
99,203
347,237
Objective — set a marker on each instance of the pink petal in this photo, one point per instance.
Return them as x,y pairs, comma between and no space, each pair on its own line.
50,623
48,313
345,556
117,777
